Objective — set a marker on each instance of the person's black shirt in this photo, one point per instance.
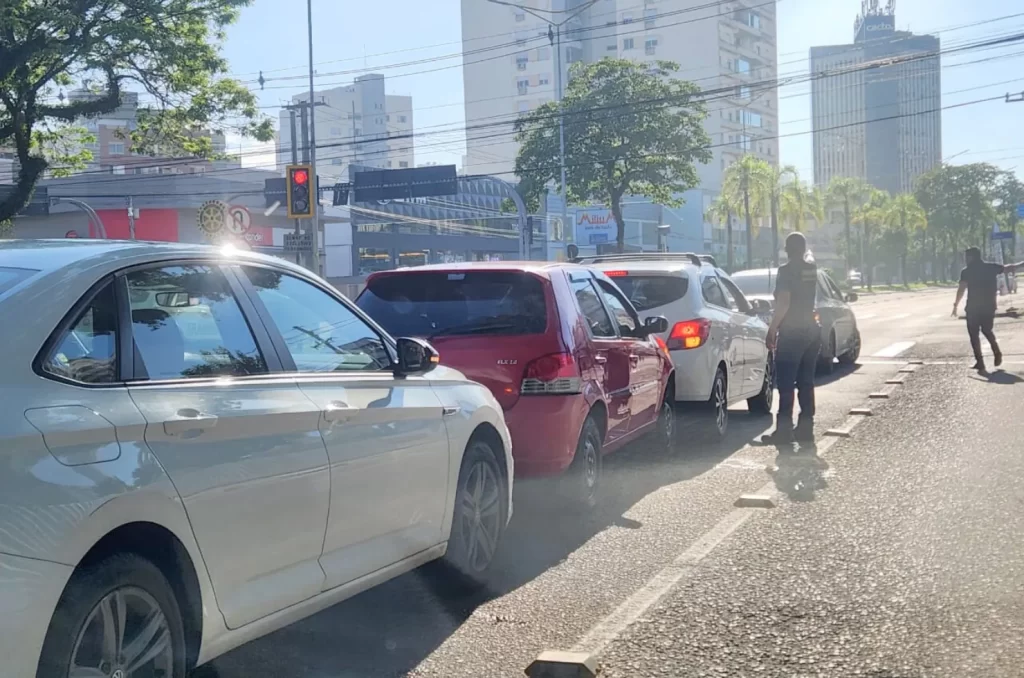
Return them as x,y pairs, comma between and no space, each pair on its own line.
982,286
800,279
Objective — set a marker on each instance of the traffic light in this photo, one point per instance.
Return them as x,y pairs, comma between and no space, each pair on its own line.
298,179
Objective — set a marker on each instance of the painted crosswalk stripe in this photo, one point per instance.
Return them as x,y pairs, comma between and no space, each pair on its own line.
899,316
893,350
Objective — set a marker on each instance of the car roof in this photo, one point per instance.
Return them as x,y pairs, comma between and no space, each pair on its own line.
754,272
542,268
665,267
52,255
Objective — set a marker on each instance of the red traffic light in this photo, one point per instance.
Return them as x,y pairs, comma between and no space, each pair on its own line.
300,176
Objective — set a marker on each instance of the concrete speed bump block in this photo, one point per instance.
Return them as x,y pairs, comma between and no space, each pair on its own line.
762,501
862,411
881,395
896,380
839,432
915,362
558,664
909,369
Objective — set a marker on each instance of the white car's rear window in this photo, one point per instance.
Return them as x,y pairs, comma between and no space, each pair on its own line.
651,291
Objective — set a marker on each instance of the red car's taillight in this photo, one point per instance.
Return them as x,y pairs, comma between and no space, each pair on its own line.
689,334
553,374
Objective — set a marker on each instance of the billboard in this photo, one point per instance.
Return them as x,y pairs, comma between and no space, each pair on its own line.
595,226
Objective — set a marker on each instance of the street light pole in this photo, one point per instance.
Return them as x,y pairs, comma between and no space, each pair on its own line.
555,38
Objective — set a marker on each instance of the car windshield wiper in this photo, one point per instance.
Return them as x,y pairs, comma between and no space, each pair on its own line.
473,328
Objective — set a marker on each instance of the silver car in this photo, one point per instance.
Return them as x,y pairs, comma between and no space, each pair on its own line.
200,447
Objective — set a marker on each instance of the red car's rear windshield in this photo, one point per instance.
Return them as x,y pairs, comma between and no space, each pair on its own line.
448,303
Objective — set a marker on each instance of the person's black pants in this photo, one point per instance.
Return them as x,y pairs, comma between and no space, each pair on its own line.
796,358
981,321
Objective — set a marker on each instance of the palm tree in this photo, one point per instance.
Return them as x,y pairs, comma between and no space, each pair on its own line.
904,217
869,214
800,202
721,211
848,193
746,182
778,179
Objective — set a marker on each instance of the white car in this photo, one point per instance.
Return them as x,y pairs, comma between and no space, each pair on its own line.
716,337
200,447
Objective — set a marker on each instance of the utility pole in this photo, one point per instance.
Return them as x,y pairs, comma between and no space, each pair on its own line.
295,160
315,188
305,124
131,217
555,38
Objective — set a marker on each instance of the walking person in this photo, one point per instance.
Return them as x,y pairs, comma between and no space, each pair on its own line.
794,337
979,279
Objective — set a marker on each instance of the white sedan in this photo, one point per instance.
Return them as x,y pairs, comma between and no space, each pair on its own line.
200,447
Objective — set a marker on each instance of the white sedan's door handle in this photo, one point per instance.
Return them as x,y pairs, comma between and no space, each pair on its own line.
189,420
337,410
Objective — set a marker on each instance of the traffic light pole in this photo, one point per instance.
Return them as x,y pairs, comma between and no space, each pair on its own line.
295,161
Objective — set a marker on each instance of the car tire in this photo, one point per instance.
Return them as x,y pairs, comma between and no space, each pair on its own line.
827,359
581,484
761,404
666,430
479,516
717,424
124,594
852,355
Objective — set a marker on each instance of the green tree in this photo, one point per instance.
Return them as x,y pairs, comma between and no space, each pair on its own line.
747,182
903,219
630,129
849,194
168,48
870,214
799,203
721,211
778,180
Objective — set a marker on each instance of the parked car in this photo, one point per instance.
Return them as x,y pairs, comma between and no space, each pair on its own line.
854,278
577,372
715,337
840,336
199,448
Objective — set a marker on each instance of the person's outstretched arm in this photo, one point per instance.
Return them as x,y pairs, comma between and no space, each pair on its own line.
959,295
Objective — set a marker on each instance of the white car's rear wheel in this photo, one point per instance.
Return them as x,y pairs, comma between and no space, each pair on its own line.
117,617
718,407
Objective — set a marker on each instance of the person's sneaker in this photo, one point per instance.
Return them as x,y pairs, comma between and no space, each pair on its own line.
780,436
980,366
804,432
997,358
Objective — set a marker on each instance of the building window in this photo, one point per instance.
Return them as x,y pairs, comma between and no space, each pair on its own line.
750,118
403,163
403,118
520,16
649,17
544,80
389,163
523,86
116,149
627,43
754,20
521,62
743,91
742,66
627,18
336,161
650,46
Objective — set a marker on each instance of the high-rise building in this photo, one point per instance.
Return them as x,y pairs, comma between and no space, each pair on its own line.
510,69
355,124
875,104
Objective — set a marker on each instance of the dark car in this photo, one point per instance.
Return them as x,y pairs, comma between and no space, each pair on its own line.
840,337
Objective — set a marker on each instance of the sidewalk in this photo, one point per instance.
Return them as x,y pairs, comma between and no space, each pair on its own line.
906,560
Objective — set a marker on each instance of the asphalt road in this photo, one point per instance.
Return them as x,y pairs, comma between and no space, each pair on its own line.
902,558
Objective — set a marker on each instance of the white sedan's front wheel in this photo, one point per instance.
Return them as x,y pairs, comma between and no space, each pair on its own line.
478,520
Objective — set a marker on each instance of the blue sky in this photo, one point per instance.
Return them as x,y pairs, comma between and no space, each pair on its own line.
354,36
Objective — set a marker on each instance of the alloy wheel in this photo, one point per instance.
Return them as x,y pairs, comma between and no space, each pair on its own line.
480,515
126,635
667,424
719,403
769,384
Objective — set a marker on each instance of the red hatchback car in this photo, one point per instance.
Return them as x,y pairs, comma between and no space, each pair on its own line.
577,372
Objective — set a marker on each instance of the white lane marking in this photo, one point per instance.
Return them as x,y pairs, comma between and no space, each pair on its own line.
893,350
936,316
866,316
899,316
606,631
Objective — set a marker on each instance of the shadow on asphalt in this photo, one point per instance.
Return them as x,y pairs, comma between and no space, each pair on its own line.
998,377
389,630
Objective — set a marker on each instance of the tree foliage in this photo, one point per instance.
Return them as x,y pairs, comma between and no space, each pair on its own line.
748,183
630,129
167,48
848,194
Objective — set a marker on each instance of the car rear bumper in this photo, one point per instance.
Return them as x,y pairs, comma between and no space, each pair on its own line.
29,591
545,430
695,372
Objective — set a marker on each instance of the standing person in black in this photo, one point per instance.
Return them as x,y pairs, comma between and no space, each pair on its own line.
979,280
794,337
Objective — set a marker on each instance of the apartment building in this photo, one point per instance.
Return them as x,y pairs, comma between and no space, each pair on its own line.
355,124
880,123
728,48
